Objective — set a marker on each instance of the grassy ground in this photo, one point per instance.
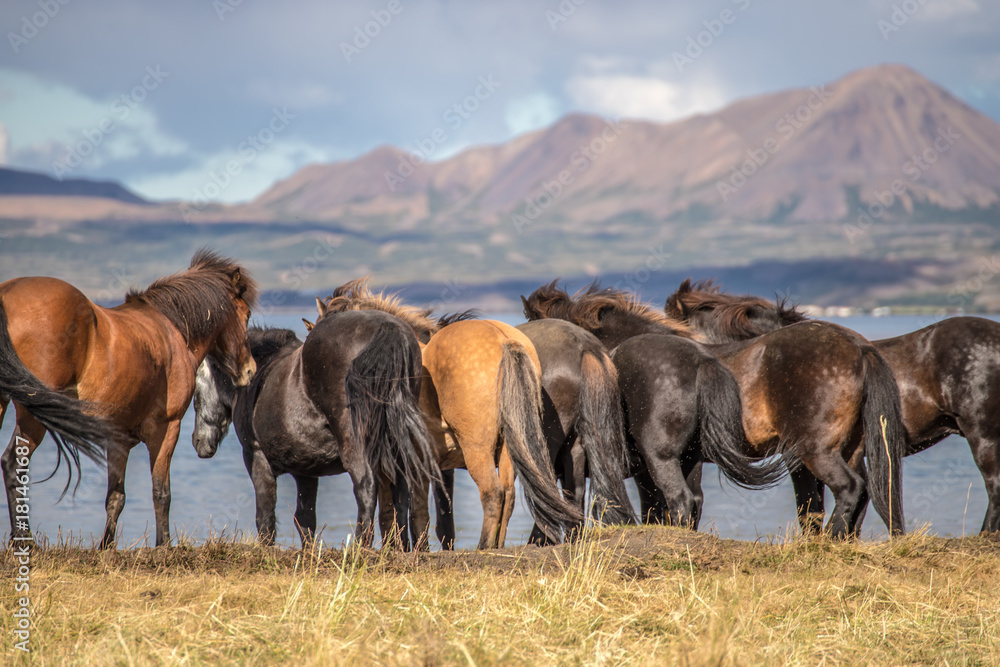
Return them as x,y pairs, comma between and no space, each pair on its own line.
636,596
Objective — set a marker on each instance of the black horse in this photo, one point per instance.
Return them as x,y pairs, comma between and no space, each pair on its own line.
582,419
345,400
948,373
681,405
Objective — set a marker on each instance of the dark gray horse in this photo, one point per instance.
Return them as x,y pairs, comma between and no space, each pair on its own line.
345,400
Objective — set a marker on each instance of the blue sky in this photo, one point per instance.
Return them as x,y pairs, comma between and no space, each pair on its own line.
159,95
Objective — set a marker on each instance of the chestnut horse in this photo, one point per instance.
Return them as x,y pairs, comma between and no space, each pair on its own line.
681,405
481,398
948,373
818,394
133,364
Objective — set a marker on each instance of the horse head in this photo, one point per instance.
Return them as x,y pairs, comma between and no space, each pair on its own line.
214,395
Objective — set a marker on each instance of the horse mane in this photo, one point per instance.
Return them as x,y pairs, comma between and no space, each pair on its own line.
732,313
199,301
548,302
265,342
462,316
358,295
592,302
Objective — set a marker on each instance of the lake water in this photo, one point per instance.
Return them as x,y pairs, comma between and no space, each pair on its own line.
942,490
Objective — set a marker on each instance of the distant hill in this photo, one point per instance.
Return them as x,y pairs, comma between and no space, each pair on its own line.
13,182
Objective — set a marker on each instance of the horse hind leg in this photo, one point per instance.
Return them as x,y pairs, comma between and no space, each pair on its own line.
986,453
115,501
28,433
305,508
808,500
506,476
480,462
849,488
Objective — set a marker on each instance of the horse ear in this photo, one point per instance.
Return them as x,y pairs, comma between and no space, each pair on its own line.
675,305
309,325
236,277
321,307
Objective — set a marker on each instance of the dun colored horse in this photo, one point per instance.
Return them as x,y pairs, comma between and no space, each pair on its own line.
132,365
948,373
345,400
681,404
481,397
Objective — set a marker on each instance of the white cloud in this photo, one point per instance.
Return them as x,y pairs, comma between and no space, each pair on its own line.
638,96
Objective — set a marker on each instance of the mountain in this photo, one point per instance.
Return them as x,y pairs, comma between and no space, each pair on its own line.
803,155
13,182
878,188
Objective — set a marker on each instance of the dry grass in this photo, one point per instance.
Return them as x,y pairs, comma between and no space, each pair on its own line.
637,596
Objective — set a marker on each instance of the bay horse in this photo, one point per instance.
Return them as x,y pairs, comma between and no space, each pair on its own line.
948,373
817,394
344,400
481,399
824,394
133,364
680,404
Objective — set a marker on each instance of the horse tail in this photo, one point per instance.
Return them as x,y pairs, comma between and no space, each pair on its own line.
72,423
885,440
520,403
382,388
600,428
720,414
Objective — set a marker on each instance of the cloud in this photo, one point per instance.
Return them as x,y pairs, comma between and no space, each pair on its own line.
944,10
642,96
4,144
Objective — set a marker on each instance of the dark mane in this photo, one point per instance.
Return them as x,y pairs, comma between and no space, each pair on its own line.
589,305
548,302
593,302
265,342
732,314
357,295
199,301
451,318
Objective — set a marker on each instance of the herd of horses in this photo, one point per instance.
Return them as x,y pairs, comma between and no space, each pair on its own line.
596,384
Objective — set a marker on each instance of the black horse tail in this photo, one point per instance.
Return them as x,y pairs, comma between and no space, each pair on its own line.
72,423
520,403
382,388
720,414
885,440
600,428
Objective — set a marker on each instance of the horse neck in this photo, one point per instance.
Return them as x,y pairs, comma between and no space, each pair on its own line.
616,328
